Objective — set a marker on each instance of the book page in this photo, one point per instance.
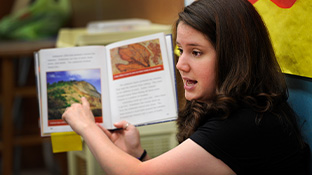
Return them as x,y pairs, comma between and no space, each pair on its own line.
172,66
38,88
67,74
140,81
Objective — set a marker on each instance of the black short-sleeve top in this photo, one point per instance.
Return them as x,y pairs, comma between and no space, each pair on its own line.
250,148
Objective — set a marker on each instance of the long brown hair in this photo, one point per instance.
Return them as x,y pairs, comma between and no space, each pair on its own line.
247,69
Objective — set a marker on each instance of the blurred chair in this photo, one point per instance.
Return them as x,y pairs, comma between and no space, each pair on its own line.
300,98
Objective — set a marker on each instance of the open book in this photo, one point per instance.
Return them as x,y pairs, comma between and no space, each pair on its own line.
130,80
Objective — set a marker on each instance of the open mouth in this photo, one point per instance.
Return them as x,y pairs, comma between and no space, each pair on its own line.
190,82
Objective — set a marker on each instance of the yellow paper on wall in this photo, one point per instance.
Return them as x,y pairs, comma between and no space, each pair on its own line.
291,33
66,141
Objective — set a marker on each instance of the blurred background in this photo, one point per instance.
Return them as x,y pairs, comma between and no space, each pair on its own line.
27,26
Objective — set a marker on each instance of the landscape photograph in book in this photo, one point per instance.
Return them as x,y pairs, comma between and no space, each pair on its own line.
135,59
67,87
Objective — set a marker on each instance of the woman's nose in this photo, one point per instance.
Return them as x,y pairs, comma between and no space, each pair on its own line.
182,64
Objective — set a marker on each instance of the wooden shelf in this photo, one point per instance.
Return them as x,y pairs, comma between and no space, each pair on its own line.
23,48
27,141
10,51
23,92
26,91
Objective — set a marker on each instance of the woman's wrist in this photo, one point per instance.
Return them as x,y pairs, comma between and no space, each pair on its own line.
88,129
143,155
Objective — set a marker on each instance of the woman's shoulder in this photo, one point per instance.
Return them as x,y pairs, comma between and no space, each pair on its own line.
249,117
241,117
243,124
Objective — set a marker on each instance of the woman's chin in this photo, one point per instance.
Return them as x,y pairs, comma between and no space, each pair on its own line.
189,97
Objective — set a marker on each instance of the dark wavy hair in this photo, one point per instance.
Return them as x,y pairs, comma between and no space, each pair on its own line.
247,69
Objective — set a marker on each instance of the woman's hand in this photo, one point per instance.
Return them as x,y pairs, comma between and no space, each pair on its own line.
79,116
127,139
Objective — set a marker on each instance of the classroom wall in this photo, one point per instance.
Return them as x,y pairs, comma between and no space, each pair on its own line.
158,11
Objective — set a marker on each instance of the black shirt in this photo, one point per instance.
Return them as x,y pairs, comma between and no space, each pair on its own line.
248,148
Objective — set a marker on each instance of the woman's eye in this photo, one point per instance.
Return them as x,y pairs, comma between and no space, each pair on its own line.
196,53
180,51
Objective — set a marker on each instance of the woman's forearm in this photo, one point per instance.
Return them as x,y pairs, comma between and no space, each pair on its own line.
107,154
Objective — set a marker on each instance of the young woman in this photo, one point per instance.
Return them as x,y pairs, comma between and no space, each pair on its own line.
236,119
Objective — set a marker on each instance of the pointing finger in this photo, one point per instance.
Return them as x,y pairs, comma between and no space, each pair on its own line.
85,102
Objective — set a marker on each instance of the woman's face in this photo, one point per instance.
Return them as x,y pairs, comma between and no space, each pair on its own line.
196,64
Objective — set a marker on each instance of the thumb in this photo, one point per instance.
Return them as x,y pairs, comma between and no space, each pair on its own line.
121,124
109,134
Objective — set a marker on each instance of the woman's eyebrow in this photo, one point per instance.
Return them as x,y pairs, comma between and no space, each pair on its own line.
189,44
